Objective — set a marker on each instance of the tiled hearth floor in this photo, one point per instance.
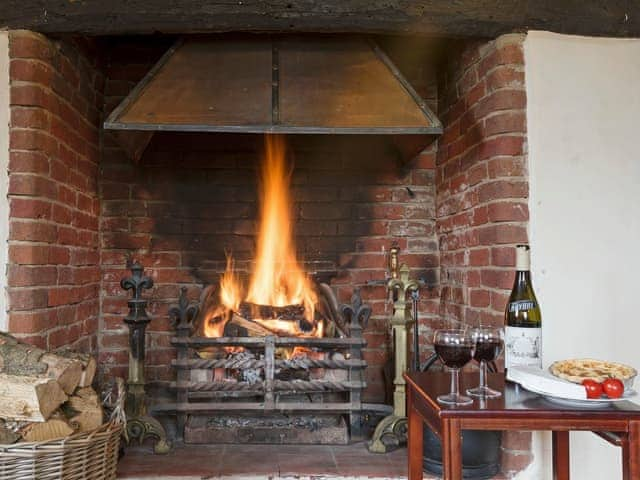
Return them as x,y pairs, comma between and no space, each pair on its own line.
255,462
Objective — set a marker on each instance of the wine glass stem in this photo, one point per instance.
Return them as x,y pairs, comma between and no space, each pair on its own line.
454,381
483,374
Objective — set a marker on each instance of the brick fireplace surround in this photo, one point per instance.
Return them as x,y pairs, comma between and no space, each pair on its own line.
79,209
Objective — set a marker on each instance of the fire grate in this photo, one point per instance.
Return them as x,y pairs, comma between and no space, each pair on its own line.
253,382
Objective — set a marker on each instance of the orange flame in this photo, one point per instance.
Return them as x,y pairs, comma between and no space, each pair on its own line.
215,321
278,278
230,290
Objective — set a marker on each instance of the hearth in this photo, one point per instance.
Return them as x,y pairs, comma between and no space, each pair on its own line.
274,357
270,389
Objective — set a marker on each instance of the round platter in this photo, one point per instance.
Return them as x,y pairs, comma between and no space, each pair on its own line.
586,403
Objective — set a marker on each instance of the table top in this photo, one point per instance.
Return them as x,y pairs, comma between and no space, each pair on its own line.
514,402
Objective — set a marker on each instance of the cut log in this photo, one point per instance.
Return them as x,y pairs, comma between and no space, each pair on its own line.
55,427
86,421
252,328
7,436
89,365
282,321
17,358
252,311
84,410
84,399
66,371
29,398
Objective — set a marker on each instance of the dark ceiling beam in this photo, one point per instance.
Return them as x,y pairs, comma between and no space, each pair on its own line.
457,18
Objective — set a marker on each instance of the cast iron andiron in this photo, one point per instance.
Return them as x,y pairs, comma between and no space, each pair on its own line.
139,424
391,432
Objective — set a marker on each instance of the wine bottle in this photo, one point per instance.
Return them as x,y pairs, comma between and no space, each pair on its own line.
523,332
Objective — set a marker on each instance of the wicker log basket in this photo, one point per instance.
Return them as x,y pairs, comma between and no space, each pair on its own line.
84,456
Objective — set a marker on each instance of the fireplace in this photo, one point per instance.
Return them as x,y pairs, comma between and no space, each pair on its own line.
289,318
81,208
194,196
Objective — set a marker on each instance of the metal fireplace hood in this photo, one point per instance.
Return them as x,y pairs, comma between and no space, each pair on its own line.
275,84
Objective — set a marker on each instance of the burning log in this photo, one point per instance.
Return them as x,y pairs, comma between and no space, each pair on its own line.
253,329
290,322
251,311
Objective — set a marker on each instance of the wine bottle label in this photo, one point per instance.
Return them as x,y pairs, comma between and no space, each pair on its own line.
523,346
520,305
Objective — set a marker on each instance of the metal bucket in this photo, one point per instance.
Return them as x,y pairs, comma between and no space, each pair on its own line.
480,449
480,453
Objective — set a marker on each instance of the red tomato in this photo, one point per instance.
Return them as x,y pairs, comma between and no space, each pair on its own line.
613,388
593,388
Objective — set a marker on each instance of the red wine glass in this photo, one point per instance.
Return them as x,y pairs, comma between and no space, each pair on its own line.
489,343
455,349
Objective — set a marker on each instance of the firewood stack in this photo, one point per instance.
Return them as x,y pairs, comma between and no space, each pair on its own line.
45,395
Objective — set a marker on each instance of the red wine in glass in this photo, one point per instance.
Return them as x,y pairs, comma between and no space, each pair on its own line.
487,350
455,349
454,356
488,347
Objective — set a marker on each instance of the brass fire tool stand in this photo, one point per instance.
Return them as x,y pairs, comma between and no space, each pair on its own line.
391,432
140,425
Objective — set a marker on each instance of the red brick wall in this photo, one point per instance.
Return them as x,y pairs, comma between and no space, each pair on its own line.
193,195
53,275
482,186
482,189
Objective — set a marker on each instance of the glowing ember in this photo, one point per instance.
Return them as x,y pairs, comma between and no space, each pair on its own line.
278,280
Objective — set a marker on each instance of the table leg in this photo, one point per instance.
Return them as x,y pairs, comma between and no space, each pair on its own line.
451,450
561,461
631,452
414,444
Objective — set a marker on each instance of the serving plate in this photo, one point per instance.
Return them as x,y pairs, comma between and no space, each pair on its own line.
585,403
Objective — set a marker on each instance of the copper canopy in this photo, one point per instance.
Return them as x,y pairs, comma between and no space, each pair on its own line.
266,84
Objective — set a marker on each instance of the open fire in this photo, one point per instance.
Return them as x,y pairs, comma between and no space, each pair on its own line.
280,298
276,355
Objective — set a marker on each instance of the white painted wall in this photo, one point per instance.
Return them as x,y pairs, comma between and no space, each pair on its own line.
583,116
4,173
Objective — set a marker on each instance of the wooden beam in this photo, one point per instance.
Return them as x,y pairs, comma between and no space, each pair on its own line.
460,18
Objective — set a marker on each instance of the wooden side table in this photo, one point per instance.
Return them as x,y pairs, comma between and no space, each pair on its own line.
517,409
